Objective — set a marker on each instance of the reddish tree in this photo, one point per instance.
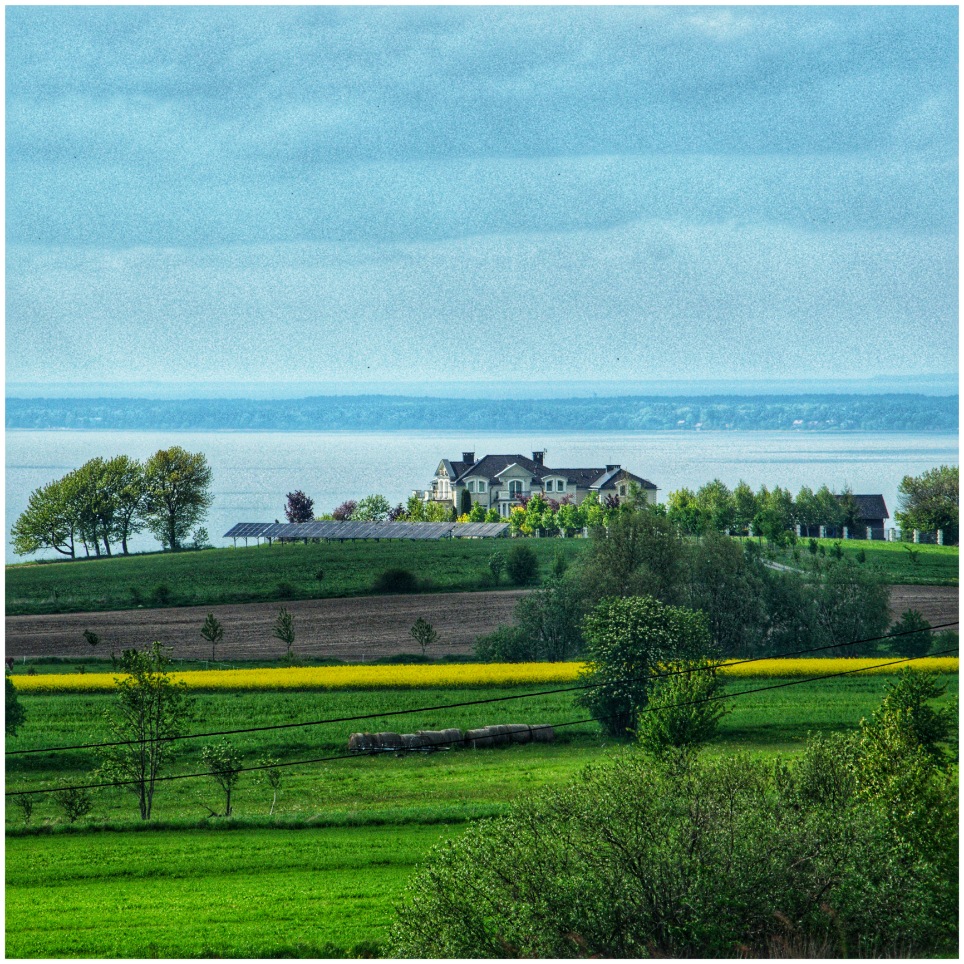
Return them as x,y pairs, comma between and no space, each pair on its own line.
299,508
345,511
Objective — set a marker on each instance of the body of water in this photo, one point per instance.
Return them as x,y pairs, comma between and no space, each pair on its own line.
253,471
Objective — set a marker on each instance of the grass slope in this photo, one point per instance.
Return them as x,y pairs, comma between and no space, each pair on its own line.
900,563
257,574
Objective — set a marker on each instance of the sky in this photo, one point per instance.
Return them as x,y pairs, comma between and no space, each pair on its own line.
420,194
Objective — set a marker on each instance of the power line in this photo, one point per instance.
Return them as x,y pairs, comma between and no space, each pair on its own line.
555,726
452,706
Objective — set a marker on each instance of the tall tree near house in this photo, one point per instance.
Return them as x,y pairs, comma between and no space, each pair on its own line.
149,711
465,502
415,508
299,507
178,487
744,506
930,501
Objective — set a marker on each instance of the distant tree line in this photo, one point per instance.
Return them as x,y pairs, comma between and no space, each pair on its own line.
106,501
894,413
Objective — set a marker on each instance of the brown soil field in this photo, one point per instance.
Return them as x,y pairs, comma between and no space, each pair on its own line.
356,629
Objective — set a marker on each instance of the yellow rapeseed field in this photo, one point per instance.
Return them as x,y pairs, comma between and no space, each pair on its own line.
446,676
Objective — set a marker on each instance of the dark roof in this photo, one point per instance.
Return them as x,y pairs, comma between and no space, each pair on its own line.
870,506
609,478
490,466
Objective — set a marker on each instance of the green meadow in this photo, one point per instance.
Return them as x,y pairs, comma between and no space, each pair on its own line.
325,871
259,573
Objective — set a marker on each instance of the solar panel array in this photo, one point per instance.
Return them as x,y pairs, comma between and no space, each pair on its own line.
247,529
368,530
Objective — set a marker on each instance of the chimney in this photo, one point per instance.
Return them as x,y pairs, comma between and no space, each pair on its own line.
469,457
538,457
611,468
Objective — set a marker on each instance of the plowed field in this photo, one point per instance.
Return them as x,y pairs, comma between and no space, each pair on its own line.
355,629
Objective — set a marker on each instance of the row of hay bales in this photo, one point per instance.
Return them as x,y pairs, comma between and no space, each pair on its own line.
486,736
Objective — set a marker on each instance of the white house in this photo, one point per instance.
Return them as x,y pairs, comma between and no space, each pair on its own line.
500,481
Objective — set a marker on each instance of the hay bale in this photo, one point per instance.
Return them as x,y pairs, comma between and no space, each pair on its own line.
361,743
413,741
442,738
542,733
519,732
487,736
388,741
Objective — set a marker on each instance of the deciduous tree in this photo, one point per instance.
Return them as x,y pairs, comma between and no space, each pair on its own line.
149,711
299,507
178,494
930,501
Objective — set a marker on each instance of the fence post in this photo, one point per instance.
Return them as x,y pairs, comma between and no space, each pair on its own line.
823,532
940,537
916,535
846,533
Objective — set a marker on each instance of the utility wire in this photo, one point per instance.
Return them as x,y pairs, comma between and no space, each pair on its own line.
555,726
452,706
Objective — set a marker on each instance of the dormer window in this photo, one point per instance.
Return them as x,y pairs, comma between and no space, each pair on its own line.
515,487
471,485
481,485
622,490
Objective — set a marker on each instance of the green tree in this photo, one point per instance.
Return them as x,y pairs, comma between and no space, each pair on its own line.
625,641
477,513
522,565
373,508
465,502
685,513
549,621
48,522
914,637
284,629
415,508
128,491
271,776
149,711
683,711
178,494
716,503
639,554
423,633
930,501
75,802
492,516
497,566
744,506
223,762
213,632
14,713
437,511
850,604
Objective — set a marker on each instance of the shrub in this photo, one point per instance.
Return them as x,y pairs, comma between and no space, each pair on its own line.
683,710
916,637
75,802
506,645
723,857
14,713
284,590
522,565
161,595
395,580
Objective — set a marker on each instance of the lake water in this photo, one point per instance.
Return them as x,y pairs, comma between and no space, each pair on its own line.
253,471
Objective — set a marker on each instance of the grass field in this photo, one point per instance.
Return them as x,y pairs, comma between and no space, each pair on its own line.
320,571
257,574
325,873
900,563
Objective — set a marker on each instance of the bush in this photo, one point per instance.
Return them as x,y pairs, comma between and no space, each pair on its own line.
161,595
916,637
683,711
723,857
522,565
395,580
506,645
75,802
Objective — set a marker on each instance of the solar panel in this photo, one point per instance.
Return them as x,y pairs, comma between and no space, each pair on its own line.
329,529
247,529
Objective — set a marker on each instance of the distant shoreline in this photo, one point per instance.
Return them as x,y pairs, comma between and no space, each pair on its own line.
808,413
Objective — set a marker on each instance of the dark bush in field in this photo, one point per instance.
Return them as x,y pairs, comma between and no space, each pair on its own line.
395,580
522,565
161,595
284,590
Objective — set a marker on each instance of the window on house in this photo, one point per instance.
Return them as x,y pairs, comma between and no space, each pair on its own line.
515,487
622,490
481,486
560,485
471,486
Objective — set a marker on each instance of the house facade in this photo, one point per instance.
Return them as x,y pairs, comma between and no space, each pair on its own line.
502,481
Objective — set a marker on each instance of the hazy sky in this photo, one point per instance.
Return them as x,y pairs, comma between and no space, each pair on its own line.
413,193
